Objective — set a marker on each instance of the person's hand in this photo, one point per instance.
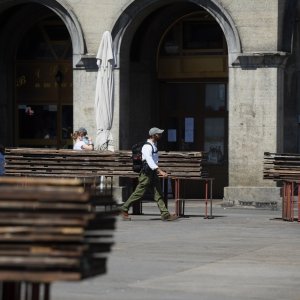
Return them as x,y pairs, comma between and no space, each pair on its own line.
161,173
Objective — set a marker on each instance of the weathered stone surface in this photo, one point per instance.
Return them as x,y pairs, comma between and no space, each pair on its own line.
257,23
254,104
254,194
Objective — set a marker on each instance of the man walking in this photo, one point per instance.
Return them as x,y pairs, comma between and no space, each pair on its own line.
149,177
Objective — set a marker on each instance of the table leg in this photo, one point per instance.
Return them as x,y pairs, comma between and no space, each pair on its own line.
288,202
177,196
292,202
10,290
35,291
298,202
287,211
211,197
165,189
208,190
206,198
284,196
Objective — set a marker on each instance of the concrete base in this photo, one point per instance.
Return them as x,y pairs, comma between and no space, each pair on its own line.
252,196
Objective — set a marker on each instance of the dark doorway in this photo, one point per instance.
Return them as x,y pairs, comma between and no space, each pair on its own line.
193,75
44,86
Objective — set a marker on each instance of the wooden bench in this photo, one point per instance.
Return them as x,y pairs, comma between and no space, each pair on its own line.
281,166
93,164
284,168
73,163
49,231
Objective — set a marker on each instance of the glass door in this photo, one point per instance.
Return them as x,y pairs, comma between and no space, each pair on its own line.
195,117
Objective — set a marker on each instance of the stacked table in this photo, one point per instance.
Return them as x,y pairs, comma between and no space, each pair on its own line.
181,167
73,163
49,231
285,167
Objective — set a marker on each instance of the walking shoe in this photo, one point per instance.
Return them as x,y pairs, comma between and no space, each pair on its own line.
169,217
125,215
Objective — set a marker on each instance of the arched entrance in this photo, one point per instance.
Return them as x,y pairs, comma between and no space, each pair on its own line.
43,42
193,75
174,74
44,82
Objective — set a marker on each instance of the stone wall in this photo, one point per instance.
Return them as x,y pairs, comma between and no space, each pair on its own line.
256,22
254,114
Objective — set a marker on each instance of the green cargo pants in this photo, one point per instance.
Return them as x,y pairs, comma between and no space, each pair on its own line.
146,181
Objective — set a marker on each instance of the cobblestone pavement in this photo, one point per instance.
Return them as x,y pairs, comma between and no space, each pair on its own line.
241,254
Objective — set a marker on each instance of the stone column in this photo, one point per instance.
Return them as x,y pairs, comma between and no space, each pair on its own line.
83,100
85,79
255,125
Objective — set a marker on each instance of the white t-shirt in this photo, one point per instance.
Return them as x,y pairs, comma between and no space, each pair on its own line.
78,145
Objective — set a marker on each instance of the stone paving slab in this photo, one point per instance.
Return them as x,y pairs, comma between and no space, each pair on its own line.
240,254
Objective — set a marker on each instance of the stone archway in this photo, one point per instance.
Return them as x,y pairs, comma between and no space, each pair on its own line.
141,84
15,13
141,11
134,14
65,12
129,23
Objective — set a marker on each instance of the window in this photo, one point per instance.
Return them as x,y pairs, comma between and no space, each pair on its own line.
44,86
195,34
195,117
37,121
215,98
214,138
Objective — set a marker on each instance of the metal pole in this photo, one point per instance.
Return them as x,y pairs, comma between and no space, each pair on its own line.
46,291
35,291
206,197
211,197
298,202
288,202
177,209
292,201
285,201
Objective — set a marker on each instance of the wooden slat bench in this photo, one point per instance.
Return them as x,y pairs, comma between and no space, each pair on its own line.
281,166
284,168
72,163
92,164
49,231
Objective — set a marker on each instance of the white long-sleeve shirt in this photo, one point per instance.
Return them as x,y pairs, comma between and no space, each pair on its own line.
150,156
78,145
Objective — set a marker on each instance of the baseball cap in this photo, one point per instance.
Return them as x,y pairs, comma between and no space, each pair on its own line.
155,130
83,130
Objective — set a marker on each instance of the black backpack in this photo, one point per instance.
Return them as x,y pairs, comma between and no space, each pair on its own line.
137,163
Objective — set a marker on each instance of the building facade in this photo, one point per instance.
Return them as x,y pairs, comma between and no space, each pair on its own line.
218,75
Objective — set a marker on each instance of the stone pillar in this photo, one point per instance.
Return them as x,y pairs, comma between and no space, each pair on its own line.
83,101
84,81
116,116
255,125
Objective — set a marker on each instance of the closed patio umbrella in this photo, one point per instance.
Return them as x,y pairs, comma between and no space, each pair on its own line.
104,105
